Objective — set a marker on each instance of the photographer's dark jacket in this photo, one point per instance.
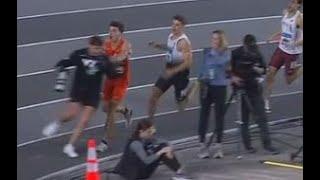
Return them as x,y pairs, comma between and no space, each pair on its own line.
242,63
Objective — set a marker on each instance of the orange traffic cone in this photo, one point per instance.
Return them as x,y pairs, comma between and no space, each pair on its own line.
92,162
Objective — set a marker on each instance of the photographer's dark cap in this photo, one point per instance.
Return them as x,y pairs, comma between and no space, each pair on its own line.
249,40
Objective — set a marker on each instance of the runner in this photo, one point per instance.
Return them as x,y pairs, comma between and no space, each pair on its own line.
85,92
178,64
289,49
118,49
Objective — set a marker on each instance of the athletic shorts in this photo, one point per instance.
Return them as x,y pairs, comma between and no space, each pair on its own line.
85,97
179,81
115,89
280,58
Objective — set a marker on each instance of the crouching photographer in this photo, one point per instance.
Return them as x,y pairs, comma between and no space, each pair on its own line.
144,153
248,66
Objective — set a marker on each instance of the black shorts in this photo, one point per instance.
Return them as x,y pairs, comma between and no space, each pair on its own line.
180,82
85,97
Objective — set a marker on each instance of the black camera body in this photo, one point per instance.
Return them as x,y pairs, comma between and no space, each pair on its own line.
245,70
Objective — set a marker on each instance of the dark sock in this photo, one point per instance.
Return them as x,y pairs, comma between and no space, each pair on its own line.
104,141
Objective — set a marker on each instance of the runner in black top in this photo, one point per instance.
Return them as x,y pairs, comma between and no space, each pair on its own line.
91,64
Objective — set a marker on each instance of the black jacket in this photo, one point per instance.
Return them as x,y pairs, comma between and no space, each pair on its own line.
243,61
89,70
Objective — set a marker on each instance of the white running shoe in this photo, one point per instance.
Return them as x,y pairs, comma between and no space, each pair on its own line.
103,146
267,106
69,150
219,152
203,152
188,94
51,128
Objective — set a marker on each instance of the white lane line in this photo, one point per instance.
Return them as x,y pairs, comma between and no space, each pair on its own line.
138,118
42,104
130,88
103,9
40,72
66,99
173,142
149,29
132,59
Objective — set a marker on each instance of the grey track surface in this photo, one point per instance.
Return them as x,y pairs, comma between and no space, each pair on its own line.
31,121
168,126
247,168
72,25
44,57
36,7
229,168
33,158
43,90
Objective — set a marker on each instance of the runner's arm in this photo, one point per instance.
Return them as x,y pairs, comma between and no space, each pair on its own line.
274,35
73,60
300,25
101,93
124,54
162,47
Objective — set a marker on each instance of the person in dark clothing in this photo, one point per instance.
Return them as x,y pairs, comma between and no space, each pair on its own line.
213,89
247,67
143,154
91,64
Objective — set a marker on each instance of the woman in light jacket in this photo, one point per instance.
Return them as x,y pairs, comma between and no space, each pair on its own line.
213,89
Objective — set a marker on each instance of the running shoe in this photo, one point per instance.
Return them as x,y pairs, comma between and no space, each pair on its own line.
69,150
203,152
267,106
103,146
51,128
219,152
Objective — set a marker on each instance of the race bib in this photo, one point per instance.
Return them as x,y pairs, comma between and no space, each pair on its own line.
212,73
287,41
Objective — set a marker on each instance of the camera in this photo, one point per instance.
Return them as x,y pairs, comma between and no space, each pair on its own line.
61,80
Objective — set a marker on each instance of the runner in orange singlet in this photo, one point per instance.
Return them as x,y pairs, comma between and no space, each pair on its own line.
118,49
